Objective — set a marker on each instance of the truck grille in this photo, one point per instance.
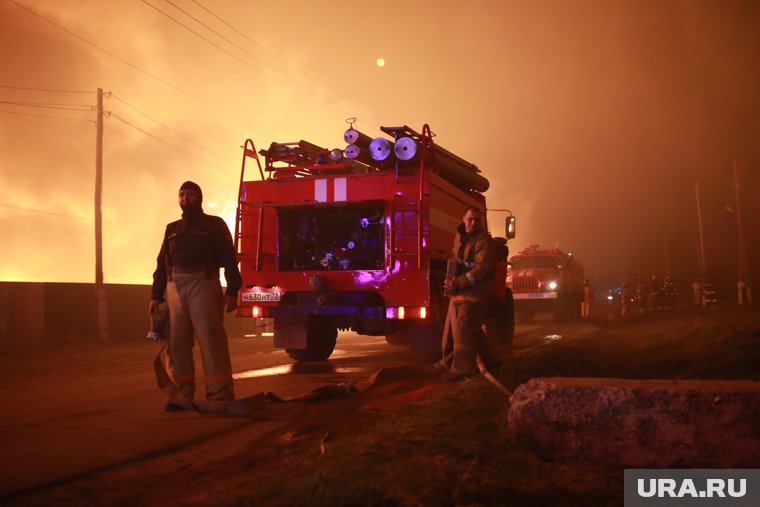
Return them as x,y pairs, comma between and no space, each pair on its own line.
524,284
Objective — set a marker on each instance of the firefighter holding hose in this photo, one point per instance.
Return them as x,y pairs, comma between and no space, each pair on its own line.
469,292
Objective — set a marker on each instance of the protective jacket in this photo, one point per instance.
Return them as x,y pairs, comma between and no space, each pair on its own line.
476,253
199,241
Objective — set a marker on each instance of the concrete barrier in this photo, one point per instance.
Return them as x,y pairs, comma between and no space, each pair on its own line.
641,423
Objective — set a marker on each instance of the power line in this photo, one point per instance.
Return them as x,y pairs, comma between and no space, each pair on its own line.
158,139
132,65
169,129
32,210
42,105
337,99
247,64
43,89
220,48
176,161
46,116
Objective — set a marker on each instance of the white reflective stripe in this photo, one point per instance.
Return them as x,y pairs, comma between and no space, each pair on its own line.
320,190
340,189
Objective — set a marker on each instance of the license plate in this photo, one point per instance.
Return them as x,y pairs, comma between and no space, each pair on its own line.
258,297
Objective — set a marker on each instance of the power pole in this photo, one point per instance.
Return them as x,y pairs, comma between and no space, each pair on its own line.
743,283
100,290
702,263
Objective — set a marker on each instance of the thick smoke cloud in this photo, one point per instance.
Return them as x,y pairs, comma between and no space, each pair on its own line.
592,121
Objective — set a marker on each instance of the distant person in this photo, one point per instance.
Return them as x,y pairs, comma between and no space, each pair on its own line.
744,292
187,275
655,301
469,291
625,300
669,293
588,298
711,295
641,295
698,292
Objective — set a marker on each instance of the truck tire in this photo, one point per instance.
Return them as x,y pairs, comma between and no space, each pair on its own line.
321,335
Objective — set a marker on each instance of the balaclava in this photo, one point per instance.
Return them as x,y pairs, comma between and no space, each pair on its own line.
195,209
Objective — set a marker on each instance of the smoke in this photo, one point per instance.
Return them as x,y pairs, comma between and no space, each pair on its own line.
592,121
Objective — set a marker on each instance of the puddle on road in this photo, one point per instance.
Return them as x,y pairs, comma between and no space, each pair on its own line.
296,369
552,337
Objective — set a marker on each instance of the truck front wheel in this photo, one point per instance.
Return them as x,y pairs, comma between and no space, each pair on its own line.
321,335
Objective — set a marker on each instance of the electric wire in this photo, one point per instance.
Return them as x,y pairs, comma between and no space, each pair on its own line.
32,210
175,161
281,60
45,116
43,89
43,105
139,69
247,64
158,139
169,129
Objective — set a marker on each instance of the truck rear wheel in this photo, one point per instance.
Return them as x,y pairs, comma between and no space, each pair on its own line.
321,335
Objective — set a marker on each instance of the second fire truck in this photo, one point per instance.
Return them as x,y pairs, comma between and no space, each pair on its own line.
356,239
546,280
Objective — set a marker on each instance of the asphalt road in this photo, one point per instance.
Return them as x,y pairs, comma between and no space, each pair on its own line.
79,411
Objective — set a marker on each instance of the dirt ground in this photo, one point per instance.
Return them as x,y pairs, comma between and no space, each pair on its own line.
412,440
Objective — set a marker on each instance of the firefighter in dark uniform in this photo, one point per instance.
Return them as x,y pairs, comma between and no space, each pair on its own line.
475,253
187,277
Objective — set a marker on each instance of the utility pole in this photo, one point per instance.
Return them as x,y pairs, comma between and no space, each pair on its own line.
702,263
100,290
743,283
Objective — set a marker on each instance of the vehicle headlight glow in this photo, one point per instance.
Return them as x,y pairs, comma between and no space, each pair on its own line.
552,285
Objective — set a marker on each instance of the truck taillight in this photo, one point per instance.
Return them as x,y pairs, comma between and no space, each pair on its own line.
404,312
256,311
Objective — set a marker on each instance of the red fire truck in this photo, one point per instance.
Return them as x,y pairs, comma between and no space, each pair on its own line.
354,239
546,280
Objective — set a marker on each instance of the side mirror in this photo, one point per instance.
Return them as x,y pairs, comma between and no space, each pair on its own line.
510,226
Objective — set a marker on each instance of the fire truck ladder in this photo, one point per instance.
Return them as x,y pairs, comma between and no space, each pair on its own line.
425,143
249,150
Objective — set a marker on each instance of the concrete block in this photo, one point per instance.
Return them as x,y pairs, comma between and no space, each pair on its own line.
641,423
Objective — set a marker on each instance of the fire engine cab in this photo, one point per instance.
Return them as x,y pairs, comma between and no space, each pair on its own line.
353,239
546,280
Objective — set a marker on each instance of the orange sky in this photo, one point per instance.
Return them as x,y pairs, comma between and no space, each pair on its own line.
591,119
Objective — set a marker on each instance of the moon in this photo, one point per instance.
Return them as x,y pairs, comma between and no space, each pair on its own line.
380,62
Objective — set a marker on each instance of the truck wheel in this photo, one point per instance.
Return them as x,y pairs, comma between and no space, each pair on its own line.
321,335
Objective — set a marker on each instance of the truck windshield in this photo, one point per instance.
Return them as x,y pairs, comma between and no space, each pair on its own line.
534,261
335,237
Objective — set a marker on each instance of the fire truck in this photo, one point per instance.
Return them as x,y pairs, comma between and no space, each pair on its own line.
356,239
546,280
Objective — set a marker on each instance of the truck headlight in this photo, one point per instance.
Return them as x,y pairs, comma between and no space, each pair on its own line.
552,285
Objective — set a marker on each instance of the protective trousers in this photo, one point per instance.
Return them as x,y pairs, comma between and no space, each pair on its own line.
195,305
466,317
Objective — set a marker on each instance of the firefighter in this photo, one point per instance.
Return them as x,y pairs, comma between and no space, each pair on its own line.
588,298
625,300
654,294
469,292
698,291
641,295
669,291
187,276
